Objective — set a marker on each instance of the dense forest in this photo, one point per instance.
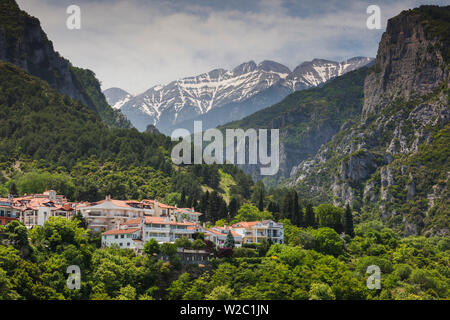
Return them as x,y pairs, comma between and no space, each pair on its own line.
315,264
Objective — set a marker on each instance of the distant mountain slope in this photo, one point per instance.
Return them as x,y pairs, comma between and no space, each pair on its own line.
25,44
37,122
392,163
220,96
307,119
116,97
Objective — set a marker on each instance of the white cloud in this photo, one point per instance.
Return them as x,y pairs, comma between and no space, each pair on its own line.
135,45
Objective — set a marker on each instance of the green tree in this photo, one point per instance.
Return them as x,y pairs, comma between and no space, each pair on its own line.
233,207
330,216
321,291
348,222
183,242
310,218
126,293
249,212
151,247
229,241
168,249
327,241
13,189
198,244
81,220
221,293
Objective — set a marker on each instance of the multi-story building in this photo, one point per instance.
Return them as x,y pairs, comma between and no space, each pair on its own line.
160,209
8,211
163,230
105,214
186,214
126,238
218,235
33,210
256,231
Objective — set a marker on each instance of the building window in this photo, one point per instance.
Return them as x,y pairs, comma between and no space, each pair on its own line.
116,237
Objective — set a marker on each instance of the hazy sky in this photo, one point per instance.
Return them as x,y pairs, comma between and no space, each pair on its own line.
136,44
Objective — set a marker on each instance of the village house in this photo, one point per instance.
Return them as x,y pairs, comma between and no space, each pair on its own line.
256,231
131,223
104,215
33,210
218,235
8,211
163,230
186,214
126,238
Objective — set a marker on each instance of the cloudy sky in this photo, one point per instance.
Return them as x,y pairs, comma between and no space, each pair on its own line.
136,44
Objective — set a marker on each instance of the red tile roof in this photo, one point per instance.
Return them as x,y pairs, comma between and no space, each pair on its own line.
244,224
132,221
158,220
235,234
160,204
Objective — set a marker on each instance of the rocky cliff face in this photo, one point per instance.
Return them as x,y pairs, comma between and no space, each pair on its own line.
409,64
390,164
25,44
28,48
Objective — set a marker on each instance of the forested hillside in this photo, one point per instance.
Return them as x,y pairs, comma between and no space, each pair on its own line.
25,44
51,141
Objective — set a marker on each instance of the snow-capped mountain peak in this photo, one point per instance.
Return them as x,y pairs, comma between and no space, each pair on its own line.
185,99
117,97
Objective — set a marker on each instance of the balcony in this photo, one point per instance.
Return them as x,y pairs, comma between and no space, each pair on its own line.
159,239
151,229
181,231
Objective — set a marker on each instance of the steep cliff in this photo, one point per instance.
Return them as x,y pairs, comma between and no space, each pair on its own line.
393,162
25,44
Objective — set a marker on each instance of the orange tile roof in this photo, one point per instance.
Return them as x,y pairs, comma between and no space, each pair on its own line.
132,201
132,221
119,203
160,204
121,231
158,220
235,234
244,224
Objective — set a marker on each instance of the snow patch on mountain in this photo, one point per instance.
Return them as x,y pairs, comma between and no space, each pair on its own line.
184,99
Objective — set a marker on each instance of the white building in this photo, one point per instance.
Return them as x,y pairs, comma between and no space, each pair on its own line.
163,230
127,238
256,231
105,214
218,235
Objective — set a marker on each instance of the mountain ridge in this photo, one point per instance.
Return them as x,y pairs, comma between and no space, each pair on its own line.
220,96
